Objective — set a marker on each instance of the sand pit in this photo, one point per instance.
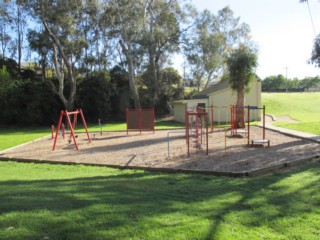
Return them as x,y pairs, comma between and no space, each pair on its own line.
150,150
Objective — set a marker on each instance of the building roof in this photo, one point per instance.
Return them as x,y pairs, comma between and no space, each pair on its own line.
211,89
186,101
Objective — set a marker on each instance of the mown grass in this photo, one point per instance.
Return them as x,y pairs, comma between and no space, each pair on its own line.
159,124
303,107
41,201
12,136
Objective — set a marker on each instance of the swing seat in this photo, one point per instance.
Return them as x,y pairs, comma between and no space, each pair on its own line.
260,142
236,132
241,131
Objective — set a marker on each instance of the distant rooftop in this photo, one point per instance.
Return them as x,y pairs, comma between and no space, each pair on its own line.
211,89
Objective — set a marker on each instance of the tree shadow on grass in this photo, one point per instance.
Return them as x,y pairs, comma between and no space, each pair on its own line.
143,205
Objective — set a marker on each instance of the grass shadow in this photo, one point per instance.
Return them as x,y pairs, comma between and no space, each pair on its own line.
142,205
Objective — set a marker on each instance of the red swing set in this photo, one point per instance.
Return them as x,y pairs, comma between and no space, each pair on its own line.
71,126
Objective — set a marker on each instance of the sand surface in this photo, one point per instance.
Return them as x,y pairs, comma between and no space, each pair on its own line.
226,153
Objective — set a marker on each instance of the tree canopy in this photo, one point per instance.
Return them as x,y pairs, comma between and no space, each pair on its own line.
129,44
241,64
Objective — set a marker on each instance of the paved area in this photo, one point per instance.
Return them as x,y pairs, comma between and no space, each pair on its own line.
305,135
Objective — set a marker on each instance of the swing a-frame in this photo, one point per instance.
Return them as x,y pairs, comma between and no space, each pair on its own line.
71,126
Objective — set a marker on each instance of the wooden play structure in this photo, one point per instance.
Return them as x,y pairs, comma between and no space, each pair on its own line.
140,120
196,130
67,115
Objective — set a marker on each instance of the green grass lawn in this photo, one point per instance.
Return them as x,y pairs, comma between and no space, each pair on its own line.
159,124
41,201
303,107
12,136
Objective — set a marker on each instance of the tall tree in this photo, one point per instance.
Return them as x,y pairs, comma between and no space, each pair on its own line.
40,42
20,26
61,21
126,18
209,41
5,37
16,18
148,32
160,37
274,83
315,55
241,63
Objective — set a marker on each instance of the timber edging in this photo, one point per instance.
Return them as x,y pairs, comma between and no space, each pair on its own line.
253,173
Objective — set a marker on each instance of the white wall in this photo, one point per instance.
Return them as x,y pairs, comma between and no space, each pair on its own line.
179,108
179,111
221,100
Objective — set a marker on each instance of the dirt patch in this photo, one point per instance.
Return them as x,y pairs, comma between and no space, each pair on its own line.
148,150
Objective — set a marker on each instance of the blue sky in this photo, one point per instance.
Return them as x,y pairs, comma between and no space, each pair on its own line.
282,30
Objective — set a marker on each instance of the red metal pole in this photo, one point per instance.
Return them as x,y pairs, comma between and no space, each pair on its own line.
85,124
127,119
153,119
63,130
185,121
243,123
197,130
206,119
187,132
235,119
264,121
57,131
140,119
74,120
200,115
212,122
232,117
72,113
248,124
72,131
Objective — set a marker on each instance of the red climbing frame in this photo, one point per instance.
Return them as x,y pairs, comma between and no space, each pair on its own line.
195,131
235,130
71,126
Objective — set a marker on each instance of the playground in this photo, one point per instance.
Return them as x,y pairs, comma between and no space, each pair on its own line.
227,154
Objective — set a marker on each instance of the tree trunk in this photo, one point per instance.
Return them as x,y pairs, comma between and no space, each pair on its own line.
69,106
240,109
19,37
154,81
59,70
133,88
